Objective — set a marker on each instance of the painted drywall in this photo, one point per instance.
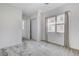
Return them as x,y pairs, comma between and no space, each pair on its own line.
43,27
56,38
10,26
73,22
74,29
39,20
26,30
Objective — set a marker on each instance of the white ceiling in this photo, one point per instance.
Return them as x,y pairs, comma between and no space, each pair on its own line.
30,9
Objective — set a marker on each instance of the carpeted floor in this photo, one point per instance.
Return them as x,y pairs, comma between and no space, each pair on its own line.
34,48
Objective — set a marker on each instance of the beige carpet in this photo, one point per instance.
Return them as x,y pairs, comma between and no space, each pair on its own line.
33,48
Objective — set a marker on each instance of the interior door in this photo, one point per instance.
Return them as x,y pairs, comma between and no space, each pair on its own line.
26,29
34,29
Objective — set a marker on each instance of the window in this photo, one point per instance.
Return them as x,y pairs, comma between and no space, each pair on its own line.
60,28
56,24
51,24
60,19
60,23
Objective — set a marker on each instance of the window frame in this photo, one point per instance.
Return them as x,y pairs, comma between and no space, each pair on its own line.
56,23
50,23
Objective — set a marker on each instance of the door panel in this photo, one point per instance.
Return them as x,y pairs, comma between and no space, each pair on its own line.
34,29
26,29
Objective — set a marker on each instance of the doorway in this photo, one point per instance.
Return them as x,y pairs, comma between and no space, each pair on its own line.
33,29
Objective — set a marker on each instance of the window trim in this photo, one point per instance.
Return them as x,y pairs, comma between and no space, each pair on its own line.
56,22
66,28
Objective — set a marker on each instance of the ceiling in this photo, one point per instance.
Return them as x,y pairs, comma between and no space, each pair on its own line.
30,9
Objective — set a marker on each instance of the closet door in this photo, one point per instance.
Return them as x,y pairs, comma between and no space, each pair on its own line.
34,29
26,29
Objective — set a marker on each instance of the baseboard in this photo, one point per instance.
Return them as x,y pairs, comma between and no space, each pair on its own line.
70,48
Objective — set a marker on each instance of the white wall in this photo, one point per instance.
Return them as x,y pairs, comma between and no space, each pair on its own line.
56,38
74,29
73,22
43,29
10,26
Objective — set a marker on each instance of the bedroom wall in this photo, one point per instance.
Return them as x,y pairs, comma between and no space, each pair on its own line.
73,22
10,26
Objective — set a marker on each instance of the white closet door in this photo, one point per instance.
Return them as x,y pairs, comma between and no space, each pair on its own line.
27,26
34,29
26,29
